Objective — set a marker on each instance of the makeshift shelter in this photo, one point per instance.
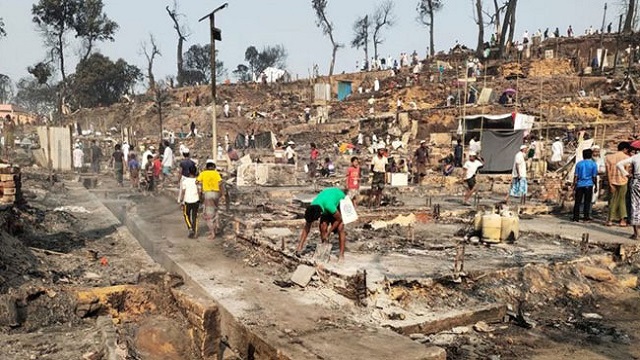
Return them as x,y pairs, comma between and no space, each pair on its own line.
499,149
501,137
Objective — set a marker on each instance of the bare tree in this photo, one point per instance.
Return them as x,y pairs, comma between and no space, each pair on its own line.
150,51
630,14
382,18
478,16
426,10
3,32
361,29
182,36
508,25
320,7
161,99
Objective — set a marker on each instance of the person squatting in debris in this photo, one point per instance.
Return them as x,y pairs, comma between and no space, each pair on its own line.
189,200
211,183
584,182
471,168
633,189
326,208
116,162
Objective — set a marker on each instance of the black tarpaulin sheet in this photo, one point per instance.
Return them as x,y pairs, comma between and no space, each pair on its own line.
499,149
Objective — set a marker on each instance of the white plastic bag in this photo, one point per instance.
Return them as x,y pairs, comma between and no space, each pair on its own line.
348,211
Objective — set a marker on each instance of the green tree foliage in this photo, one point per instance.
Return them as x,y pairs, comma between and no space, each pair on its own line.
55,19
270,56
242,73
42,71
34,96
197,65
98,81
92,25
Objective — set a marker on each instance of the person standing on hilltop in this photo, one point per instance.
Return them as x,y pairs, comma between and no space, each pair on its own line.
226,109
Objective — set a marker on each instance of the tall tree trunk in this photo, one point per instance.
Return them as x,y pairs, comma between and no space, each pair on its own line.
333,57
366,53
152,79
432,50
509,14
628,22
61,54
375,49
512,21
497,20
180,62
480,22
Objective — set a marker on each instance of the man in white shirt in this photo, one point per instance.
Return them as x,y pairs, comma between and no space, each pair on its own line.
519,174
167,160
125,151
471,167
474,145
78,158
226,109
557,151
144,159
290,153
379,165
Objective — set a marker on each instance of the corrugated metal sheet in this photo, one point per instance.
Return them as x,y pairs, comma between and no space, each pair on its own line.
60,145
322,92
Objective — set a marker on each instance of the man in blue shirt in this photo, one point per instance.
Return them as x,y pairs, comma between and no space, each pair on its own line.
584,181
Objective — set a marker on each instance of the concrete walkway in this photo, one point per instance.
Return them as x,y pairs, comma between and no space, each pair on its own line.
565,229
258,318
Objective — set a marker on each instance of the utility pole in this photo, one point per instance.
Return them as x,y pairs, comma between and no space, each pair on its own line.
604,19
216,34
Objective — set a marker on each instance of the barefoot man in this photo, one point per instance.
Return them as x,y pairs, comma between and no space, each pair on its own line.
326,208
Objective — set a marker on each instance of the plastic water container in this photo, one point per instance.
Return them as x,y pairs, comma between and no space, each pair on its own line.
491,227
477,222
510,226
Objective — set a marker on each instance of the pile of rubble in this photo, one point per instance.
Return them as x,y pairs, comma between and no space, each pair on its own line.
550,67
10,184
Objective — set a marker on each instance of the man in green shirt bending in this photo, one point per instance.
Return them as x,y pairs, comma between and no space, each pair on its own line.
326,208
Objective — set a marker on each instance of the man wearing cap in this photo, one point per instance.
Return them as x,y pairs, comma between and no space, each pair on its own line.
471,167
145,156
78,158
421,158
557,151
326,208
519,174
290,153
186,163
211,182
379,164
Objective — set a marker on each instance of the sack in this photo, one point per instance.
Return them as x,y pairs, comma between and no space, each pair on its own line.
348,211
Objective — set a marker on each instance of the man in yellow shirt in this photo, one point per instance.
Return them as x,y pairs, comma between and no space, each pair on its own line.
211,183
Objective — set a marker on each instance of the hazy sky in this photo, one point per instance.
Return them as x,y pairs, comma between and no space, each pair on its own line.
287,22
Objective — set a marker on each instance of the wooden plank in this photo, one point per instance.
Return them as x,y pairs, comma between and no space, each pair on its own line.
441,322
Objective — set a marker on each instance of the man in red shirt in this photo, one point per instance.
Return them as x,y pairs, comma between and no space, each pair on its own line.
353,180
157,169
313,163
